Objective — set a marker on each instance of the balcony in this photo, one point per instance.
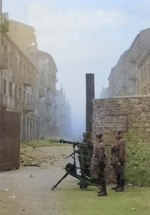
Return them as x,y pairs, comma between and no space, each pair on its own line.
132,61
17,103
11,102
27,82
132,76
5,24
3,62
29,107
3,100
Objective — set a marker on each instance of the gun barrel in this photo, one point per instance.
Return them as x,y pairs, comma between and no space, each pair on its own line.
69,142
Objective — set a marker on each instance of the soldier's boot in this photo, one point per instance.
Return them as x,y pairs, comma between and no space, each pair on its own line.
121,188
115,187
102,193
118,184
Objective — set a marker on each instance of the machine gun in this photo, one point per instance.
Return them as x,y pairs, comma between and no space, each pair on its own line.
85,150
74,151
70,142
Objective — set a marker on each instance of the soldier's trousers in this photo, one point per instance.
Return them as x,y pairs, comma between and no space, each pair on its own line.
101,180
119,171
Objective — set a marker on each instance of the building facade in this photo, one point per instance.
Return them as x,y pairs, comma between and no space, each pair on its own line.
63,114
47,94
144,75
27,80
19,88
125,78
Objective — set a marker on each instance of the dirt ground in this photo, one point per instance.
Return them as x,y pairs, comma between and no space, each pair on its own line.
27,191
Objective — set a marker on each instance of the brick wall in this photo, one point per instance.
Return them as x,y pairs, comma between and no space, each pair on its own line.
131,115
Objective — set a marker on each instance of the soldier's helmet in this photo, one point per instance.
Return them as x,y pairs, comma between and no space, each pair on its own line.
85,135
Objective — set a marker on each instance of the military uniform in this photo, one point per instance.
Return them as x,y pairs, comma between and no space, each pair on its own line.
117,161
97,168
85,153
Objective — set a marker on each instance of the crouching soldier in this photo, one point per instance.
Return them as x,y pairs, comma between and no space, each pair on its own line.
98,165
117,161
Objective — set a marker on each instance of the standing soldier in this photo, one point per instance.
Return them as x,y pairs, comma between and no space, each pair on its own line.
117,161
85,154
98,165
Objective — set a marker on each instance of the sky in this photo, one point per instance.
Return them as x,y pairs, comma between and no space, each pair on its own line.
83,36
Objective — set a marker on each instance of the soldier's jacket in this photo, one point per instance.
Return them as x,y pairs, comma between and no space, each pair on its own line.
98,154
97,161
118,151
85,153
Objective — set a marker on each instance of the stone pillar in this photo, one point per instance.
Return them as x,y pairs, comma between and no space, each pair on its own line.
90,94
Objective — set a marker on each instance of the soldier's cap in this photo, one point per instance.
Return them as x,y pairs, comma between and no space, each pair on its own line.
85,133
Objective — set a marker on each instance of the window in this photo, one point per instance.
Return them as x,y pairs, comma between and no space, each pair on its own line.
11,59
142,76
10,89
24,72
28,98
16,62
15,92
19,93
4,86
24,96
20,68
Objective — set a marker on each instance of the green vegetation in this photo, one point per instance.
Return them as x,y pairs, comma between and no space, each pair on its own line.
134,200
44,141
137,165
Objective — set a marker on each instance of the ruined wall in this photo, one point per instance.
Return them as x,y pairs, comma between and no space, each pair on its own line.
131,115
121,113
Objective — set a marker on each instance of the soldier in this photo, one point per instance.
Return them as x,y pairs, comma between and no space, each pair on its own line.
117,161
98,165
85,154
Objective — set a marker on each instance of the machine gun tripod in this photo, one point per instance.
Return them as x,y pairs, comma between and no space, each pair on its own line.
71,169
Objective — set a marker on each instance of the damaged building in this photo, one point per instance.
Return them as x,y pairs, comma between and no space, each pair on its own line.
124,106
63,114
131,75
28,79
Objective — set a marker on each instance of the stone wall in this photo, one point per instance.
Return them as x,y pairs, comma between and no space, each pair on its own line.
131,115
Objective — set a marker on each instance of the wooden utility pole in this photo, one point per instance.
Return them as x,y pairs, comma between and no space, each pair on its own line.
90,95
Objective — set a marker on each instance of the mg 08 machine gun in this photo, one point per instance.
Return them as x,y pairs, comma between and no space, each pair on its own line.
84,151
